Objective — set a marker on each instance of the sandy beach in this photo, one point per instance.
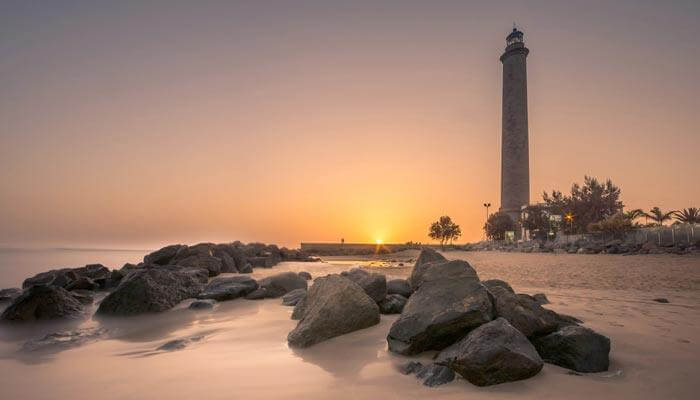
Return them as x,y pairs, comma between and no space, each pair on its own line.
240,349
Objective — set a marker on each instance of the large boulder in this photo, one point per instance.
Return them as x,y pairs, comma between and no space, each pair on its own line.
392,304
82,283
9,294
435,375
299,309
334,306
373,284
399,286
163,256
439,313
151,290
283,283
201,260
294,297
426,257
222,289
43,303
493,353
575,347
491,283
443,270
525,313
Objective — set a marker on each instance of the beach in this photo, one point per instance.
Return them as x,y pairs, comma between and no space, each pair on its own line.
239,349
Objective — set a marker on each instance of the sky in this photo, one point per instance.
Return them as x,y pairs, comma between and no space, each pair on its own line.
135,124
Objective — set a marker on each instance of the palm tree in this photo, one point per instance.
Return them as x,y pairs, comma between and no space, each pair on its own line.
634,214
659,216
688,215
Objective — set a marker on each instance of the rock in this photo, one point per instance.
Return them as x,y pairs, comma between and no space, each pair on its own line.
334,306
246,268
117,275
82,283
524,313
661,300
392,304
9,294
441,312
222,289
426,256
293,297
85,297
43,303
498,283
540,298
410,367
64,276
163,256
305,275
151,290
283,283
58,341
435,375
372,283
258,294
399,286
179,344
201,260
263,261
227,263
202,304
493,353
299,309
443,270
575,347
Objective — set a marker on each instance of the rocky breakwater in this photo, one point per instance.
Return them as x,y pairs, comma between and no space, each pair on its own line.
486,332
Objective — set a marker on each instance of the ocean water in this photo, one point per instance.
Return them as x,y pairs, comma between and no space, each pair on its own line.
19,264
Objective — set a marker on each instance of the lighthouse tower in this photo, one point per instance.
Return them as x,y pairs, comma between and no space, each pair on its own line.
515,159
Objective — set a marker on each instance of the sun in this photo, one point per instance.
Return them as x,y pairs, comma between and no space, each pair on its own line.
378,241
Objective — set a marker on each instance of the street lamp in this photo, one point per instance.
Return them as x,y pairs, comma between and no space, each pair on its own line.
487,205
569,217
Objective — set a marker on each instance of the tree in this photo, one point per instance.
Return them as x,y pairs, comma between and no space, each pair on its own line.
537,221
658,216
688,215
497,225
592,202
634,214
615,225
444,230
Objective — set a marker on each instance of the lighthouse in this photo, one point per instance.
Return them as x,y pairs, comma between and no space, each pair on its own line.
515,159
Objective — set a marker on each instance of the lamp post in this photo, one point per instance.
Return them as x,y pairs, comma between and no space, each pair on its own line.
569,217
487,205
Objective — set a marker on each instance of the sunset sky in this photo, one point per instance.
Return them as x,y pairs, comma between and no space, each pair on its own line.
138,123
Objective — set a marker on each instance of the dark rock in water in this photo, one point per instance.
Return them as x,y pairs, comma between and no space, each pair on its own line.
200,260
293,297
661,300
441,311
9,294
575,347
43,303
435,375
82,283
498,283
392,304
222,289
179,344
493,353
202,304
83,296
117,275
299,309
399,286
283,283
55,342
263,261
63,277
410,367
443,270
540,298
372,283
163,256
246,268
305,275
525,314
334,306
426,256
151,290
257,294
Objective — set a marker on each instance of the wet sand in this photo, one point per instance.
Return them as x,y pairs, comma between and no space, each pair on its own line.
240,350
